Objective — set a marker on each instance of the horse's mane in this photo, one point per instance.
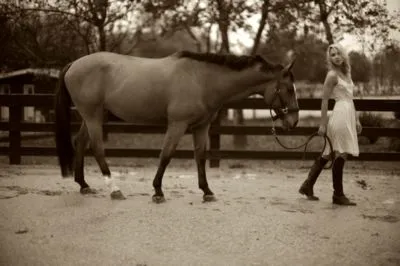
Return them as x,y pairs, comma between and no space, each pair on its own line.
235,62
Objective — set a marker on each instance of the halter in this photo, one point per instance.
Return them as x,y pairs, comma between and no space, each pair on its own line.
283,110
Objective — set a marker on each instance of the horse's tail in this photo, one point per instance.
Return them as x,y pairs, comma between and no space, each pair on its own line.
65,151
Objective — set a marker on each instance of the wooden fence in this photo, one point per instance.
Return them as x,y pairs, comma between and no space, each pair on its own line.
15,126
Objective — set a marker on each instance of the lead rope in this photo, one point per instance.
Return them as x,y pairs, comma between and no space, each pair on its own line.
305,144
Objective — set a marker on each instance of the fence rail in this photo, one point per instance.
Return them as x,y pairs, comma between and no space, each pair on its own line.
15,127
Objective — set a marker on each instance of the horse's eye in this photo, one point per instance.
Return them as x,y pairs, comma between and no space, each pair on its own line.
291,89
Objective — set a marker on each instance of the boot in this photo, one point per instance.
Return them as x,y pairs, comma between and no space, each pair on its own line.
308,185
337,179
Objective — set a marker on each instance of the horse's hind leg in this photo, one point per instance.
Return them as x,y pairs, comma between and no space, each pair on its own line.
81,141
173,135
200,136
95,130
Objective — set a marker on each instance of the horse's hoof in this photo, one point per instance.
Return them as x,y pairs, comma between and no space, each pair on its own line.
158,199
209,198
117,195
87,190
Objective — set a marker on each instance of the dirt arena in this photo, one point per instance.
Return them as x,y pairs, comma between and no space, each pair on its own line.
259,218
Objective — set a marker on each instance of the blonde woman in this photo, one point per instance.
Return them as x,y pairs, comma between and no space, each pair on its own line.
342,126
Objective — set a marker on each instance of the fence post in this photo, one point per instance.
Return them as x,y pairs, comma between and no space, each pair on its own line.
15,134
215,141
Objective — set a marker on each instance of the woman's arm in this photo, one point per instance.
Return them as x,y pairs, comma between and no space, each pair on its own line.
330,82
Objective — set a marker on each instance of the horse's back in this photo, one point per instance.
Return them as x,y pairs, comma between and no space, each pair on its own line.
106,63
125,85
108,72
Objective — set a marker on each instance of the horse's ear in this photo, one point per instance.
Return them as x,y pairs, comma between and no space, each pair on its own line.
260,58
263,64
289,66
291,58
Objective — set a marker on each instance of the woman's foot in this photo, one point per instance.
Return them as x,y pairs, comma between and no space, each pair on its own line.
307,191
342,200
307,188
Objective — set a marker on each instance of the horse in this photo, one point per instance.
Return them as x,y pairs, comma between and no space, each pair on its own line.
184,90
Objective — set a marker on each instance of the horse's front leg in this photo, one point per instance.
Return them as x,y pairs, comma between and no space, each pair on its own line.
200,136
174,133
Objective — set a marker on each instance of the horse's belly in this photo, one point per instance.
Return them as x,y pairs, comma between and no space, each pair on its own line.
139,113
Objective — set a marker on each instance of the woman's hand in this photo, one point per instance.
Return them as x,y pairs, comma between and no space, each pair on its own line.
322,130
358,127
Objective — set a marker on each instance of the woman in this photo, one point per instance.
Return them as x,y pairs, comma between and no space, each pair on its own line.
342,128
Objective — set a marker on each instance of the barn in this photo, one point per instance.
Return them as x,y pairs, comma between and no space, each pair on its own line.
28,81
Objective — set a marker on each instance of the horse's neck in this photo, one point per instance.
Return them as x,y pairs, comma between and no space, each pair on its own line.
241,96
237,85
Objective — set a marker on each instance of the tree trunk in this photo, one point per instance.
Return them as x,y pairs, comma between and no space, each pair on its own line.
263,21
223,25
240,141
102,38
324,14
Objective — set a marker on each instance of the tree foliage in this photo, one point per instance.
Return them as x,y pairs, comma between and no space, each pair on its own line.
386,66
361,67
51,33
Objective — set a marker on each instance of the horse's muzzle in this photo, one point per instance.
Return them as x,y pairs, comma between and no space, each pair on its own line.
290,120
281,113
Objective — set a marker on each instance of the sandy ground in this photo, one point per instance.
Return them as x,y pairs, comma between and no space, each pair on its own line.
259,218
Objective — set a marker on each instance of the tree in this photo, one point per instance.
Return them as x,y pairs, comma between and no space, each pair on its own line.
52,33
325,10
358,17
235,14
361,67
98,17
32,39
310,53
386,66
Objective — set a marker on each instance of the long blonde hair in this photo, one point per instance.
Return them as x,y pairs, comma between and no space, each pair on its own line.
345,68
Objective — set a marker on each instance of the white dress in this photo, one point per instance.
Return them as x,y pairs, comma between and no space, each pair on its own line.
341,127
